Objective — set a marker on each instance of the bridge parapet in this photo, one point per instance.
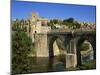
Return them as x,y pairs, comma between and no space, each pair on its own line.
84,30
70,30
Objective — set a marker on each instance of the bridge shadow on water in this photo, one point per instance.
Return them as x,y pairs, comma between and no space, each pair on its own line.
54,64
44,64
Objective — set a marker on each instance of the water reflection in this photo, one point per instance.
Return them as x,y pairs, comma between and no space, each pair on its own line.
55,64
45,64
87,58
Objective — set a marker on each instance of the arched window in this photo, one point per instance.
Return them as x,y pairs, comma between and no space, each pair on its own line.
35,32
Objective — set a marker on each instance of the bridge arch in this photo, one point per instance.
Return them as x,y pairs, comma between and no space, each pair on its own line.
80,41
51,42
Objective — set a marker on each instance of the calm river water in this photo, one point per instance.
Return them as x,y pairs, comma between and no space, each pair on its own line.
44,64
55,64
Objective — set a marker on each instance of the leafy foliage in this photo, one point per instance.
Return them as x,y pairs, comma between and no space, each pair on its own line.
21,24
70,22
21,46
84,47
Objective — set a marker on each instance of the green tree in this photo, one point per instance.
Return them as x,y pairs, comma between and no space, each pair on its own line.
76,25
51,23
21,47
55,21
70,20
85,24
22,22
71,23
16,25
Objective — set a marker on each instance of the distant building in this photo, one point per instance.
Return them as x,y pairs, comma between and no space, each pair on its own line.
58,26
38,25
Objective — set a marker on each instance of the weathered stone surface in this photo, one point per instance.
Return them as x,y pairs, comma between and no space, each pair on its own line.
44,47
41,45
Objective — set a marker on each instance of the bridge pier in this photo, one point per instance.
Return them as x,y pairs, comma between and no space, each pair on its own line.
41,45
41,48
71,57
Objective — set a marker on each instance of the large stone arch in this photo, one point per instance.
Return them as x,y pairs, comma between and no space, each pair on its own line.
51,40
70,58
92,40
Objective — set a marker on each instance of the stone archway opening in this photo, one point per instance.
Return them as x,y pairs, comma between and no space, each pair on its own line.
56,46
57,53
86,51
85,54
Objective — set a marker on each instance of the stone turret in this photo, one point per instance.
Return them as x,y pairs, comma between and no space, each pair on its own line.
38,25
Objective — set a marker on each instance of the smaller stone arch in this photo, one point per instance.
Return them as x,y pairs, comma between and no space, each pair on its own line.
78,45
51,40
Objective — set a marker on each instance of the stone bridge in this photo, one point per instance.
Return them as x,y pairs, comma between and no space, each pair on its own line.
71,40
